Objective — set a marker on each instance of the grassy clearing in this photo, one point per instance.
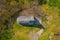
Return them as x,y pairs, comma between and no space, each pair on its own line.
52,25
22,32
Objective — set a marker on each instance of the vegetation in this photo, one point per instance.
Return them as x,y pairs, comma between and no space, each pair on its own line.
52,25
22,32
52,12
8,9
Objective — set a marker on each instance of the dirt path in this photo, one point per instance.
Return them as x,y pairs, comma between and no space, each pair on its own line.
34,35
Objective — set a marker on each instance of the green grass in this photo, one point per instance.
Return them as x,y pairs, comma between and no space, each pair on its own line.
55,3
7,35
53,25
22,32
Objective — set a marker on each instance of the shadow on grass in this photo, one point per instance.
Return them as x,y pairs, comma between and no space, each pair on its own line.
37,26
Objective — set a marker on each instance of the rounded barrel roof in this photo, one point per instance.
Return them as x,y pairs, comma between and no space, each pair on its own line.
25,18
